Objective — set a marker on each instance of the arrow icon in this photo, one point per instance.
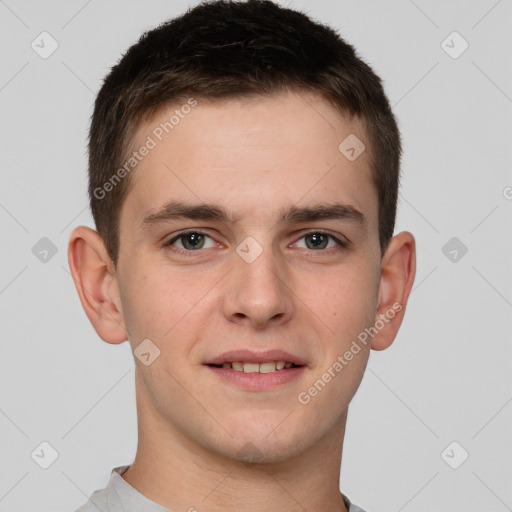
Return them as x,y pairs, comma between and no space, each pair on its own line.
249,249
351,147
147,352
42,454
454,455
44,250
44,45
454,249
454,45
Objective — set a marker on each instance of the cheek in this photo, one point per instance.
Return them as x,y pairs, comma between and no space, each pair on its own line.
147,305
346,300
161,304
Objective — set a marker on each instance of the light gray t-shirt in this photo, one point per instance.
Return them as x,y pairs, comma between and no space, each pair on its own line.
120,496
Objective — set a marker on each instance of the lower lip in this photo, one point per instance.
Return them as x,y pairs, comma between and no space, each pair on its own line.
258,381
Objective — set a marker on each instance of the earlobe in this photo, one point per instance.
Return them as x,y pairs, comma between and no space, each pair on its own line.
92,272
397,277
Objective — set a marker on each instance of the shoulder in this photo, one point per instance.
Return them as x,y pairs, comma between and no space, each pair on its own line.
351,506
98,502
107,499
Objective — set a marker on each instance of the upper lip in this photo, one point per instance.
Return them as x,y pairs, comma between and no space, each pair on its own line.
250,356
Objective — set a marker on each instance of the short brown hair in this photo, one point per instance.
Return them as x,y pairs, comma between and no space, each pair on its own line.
225,49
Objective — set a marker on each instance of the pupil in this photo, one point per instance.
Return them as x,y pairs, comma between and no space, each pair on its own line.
193,236
316,237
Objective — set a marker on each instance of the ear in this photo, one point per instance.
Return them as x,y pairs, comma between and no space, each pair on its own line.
96,282
398,269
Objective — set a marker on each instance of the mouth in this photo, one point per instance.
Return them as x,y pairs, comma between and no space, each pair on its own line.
264,367
257,371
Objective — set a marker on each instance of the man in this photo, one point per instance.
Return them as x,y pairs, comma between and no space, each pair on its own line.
244,171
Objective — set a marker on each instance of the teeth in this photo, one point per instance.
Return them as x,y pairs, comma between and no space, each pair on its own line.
251,367
236,366
268,367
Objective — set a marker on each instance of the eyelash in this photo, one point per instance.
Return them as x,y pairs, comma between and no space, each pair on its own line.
341,244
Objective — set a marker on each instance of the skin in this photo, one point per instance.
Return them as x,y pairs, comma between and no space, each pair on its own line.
253,157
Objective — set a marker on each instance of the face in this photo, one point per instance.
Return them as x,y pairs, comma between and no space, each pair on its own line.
258,279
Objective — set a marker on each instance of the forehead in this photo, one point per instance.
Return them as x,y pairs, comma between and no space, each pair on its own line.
267,151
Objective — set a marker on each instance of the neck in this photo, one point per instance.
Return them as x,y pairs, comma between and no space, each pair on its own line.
176,472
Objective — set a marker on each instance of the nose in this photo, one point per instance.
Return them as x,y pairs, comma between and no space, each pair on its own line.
258,293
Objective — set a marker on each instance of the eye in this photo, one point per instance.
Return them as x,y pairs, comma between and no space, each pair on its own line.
190,241
318,240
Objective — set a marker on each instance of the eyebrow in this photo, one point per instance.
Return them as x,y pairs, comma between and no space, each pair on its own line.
212,212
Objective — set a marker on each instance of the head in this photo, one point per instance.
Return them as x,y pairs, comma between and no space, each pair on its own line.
263,135
222,50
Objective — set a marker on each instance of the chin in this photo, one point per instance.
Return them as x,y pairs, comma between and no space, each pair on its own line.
251,454
266,445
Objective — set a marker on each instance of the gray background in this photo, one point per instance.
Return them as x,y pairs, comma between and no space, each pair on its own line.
446,378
